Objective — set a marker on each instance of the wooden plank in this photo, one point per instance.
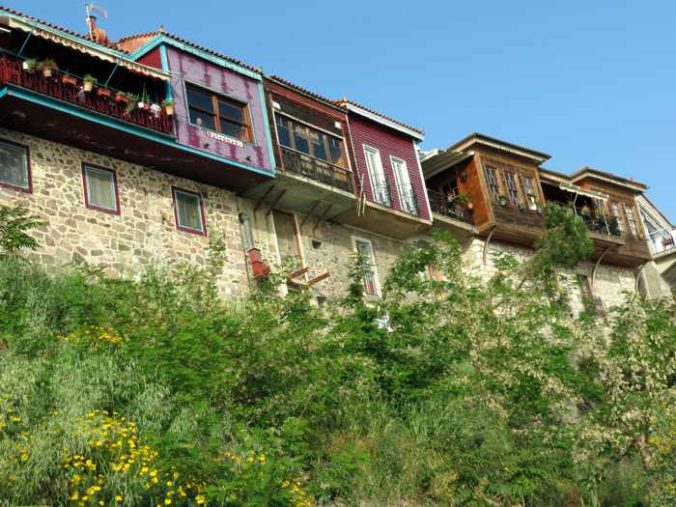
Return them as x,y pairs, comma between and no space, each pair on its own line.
260,201
274,203
318,279
321,219
314,206
297,273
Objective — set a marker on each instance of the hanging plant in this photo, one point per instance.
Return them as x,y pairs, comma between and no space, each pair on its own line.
89,82
47,67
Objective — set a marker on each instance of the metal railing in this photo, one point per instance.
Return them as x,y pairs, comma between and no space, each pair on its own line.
443,206
319,170
68,88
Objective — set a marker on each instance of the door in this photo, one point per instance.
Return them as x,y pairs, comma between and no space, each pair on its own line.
287,240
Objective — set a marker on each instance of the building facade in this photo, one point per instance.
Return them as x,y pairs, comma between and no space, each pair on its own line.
152,150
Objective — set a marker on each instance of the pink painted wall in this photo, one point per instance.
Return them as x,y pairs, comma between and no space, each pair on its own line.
185,67
389,142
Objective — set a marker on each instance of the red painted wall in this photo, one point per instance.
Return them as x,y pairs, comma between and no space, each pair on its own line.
389,142
152,59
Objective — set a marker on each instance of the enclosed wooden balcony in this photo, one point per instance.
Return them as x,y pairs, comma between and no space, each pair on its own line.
314,169
68,88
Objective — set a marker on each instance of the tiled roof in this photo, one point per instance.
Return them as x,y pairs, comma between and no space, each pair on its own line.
109,45
305,91
596,172
122,43
345,102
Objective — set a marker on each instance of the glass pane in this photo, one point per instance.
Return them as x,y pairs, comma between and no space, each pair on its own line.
283,131
202,119
101,188
13,165
301,139
188,210
200,99
234,130
336,151
318,149
231,111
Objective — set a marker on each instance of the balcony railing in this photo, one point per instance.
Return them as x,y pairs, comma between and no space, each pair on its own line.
309,167
67,88
440,204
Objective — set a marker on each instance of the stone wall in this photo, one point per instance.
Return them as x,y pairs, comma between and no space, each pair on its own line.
144,234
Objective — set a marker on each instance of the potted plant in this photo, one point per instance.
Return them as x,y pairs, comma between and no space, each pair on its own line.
30,65
103,92
502,200
132,102
168,105
47,67
122,98
144,101
89,82
67,79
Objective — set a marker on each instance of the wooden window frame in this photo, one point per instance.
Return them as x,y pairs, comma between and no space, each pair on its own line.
216,113
635,232
85,189
376,279
507,176
488,169
183,228
292,122
29,174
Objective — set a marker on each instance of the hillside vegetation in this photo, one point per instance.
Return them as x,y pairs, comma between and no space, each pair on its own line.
154,391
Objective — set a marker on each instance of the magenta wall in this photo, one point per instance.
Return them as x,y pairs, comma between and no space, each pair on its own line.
389,142
186,67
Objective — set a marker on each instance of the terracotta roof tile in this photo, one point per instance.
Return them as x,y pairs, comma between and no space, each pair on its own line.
122,43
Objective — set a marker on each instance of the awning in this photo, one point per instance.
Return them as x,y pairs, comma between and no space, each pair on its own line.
574,189
83,46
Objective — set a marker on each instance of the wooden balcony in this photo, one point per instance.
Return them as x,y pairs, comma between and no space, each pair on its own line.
450,209
100,100
300,164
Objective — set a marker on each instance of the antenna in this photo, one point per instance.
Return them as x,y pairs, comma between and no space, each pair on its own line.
92,8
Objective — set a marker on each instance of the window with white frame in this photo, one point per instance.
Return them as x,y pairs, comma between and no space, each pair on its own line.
14,166
370,277
100,189
374,165
407,197
189,211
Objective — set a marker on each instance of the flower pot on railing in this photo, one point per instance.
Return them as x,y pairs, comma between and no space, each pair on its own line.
122,98
103,92
88,82
69,80
168,105
47,67
30,65
502,201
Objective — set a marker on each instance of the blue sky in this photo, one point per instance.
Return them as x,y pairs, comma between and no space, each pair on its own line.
589,82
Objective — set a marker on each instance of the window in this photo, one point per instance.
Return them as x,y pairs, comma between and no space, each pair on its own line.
631,219
100,189
374,165
15,166
189,211
510,185
218,113
407,197
365,249
310,141
528,187
617,220
492,181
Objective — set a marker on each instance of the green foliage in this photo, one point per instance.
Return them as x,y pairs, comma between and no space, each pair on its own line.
15,223
447,391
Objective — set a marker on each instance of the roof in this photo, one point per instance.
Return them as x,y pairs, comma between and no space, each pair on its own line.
443,160
381,118
304,91
131,43
72,33
552,175
609,178
493,142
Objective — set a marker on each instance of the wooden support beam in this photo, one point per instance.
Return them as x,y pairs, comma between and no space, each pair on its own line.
260,201
274,203
314,207
297,273
488,240
596,267
318,279
321,219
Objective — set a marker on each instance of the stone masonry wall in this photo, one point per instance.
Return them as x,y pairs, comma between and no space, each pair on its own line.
144,234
